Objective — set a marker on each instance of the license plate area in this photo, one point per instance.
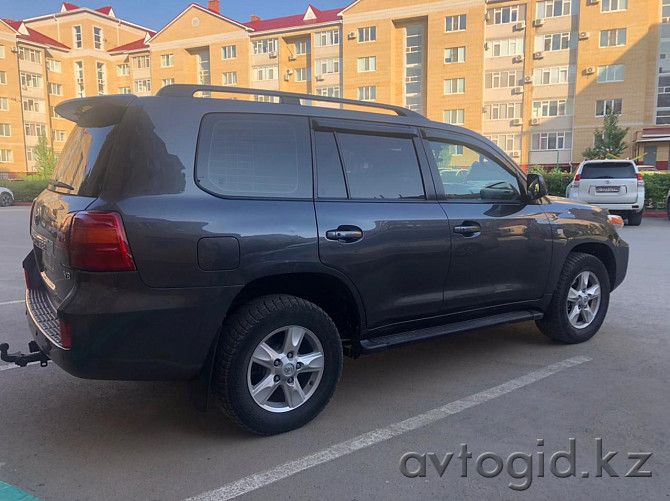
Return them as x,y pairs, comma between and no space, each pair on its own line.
607,189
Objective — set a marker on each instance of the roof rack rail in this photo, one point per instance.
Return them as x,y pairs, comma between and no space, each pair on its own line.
184,90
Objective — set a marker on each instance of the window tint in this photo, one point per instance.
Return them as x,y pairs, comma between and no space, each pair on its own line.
608,170
469,175
250,155
381,167
330,177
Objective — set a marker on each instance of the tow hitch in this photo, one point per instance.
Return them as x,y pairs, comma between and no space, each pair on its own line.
22,360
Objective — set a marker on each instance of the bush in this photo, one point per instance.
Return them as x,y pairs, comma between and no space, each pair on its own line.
25,190
556,180
657,185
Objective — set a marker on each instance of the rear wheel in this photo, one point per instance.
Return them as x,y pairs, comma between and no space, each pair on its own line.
5,199
580,301
277,364
635,218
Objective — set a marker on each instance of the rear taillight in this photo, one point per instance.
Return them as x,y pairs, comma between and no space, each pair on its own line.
640,179
65,335
97,242
578,177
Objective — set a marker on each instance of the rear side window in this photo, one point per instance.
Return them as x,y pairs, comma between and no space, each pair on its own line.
267,156
329,174
83,161
608,170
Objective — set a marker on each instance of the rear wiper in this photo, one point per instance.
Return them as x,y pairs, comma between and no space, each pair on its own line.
60,184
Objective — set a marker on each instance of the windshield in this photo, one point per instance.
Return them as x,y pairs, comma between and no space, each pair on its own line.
608,170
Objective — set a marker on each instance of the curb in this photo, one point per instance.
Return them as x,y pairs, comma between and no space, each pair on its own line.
655,214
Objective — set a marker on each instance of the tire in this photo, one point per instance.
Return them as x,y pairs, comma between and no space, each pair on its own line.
556,323
635,218
6,199
254,330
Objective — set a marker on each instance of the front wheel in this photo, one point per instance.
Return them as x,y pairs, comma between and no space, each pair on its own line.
277,365
580,301
5,199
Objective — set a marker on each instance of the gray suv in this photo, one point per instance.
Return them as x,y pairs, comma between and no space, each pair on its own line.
248,246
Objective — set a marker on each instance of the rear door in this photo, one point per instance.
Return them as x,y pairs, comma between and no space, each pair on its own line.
378,222
608,182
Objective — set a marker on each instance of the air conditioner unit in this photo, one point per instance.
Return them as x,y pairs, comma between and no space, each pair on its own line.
538,55
514,154
517,122
15,50
517,90
487,16
520,26
351,35
273,55
534,121
320,78
486,45
584,35
518,59
292,57
527,79
594,2
538,22
286,78
289,71
483,109
590,70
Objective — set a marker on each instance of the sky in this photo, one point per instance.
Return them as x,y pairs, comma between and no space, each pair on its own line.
156,14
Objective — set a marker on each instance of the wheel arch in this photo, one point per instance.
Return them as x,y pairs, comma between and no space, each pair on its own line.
602,252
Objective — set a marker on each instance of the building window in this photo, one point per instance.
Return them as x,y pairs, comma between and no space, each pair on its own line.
502,111
124,90
553,42
301,47
507,142
366,64
52,112
30,55
367,93
552,108
613,5
3,78
6,156
5,130
265,46
502,79
553,75
167,81
230,78
605,106
327,66
613,38
454,86
414,68
79,78
54,65
543,141
611,73
326,38
4,104
333,91
58,136
31,80
167,60
455,23
142,85
76,37
123,70
368,34
33,129
505,47
302,74
454,117
97,38
142,62
262,73
101,73
454,55
504,15
56,89
2,51
553,8
33,105
229,52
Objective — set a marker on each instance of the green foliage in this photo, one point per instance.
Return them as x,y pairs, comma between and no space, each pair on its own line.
45,158
556,180
609,141
27,189
656,187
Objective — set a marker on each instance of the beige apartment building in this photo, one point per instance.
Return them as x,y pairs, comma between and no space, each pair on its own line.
536,77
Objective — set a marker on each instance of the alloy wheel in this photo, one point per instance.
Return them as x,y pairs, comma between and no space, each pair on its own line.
583,299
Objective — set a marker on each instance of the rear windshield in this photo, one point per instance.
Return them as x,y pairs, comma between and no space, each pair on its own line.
608,170
82,163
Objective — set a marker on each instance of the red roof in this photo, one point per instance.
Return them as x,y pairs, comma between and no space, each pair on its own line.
34,36
129,47
322,16
70,6
105,10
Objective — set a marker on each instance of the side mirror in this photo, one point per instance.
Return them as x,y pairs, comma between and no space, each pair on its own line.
536,187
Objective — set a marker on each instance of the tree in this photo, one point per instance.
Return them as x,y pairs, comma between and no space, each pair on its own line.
45,158
609,141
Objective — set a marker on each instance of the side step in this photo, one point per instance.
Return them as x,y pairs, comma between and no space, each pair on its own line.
375,345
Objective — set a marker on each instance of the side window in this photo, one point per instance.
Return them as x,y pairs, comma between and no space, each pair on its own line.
470,175
255,155
381,167
329,174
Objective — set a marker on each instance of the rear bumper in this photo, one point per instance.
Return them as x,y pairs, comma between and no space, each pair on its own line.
123,330
635,207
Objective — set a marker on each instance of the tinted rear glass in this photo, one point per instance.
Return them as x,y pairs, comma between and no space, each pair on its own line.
82,163
608,170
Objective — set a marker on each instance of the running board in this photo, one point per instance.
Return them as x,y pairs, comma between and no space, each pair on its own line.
375,345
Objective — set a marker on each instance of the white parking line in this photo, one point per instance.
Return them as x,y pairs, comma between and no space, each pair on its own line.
12,302
5,367
259,480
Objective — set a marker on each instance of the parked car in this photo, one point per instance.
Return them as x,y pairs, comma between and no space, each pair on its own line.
6,197
616,185
248,246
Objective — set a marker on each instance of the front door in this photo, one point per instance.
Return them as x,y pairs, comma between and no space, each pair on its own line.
501,244
378,222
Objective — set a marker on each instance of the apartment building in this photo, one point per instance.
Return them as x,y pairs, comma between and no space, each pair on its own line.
536,77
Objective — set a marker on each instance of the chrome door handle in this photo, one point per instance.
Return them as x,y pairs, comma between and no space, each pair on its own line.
344,235
469,230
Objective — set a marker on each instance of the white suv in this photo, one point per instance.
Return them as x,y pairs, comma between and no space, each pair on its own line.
616,185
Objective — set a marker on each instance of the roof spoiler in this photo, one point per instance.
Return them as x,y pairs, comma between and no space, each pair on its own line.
99,111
